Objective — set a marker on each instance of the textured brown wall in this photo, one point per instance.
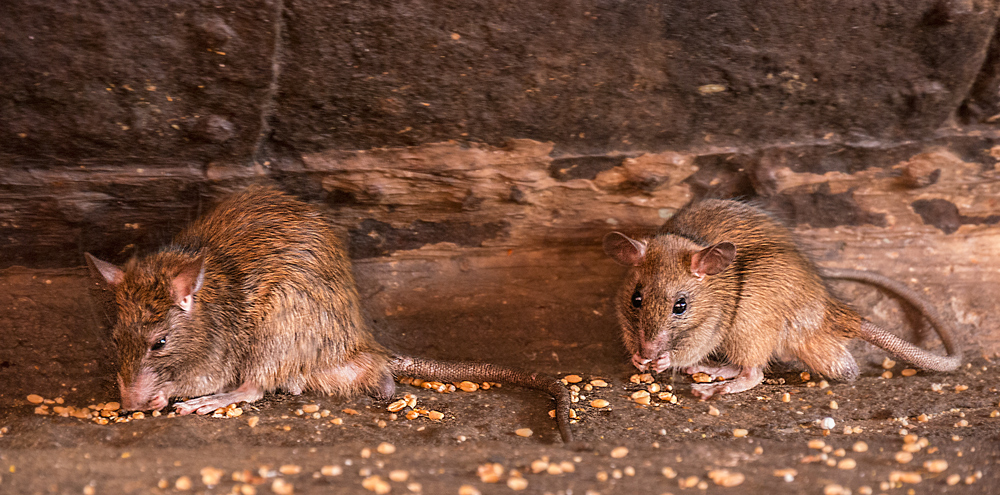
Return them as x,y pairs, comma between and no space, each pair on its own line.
471,129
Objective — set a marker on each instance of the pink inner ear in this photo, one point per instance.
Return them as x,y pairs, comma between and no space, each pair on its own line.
187,281
713,259
623,249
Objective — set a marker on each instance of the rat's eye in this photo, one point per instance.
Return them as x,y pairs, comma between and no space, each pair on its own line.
637,298
158,344
680,306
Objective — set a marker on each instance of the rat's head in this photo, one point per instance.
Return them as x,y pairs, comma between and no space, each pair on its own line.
670,307
156,300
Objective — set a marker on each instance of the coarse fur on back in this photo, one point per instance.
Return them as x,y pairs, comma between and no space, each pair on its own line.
724,279
255,296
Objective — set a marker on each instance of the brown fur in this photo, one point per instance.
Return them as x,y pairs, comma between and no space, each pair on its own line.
255,296
769,302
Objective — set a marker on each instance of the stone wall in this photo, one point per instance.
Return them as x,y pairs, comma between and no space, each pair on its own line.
470,130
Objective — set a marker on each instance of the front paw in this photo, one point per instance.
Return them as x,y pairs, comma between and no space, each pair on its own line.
200,405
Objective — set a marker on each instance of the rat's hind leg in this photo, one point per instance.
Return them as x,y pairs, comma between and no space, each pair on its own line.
746,379
248,392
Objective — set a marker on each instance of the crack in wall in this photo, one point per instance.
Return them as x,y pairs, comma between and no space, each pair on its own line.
269,104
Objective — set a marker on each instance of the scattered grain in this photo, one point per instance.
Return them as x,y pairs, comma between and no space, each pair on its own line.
816,444
888,363
835,489
386,448
183,483
399,475
490,473
903,457
469,490
435,415
953,479
740,433
701,377
936,465
599,383
310,408
669,472
331,470
833,405
573,378
376,484
619,452
723,477
523,432
211,476
910,477
468,386
847,463
599,403
688,482
35,399
786,397
517,483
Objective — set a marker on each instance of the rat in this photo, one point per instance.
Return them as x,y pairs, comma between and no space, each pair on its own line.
723,280
258,295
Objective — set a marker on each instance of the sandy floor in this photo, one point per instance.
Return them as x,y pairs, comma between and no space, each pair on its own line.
556,320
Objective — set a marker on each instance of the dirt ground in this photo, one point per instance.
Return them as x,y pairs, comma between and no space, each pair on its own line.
557,319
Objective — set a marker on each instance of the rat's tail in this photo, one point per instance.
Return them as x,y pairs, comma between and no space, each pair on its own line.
878,336
447,371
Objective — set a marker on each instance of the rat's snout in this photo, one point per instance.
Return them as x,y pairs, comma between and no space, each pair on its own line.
141,394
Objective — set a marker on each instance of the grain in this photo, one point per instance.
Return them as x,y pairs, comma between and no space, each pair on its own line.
469,490
740,433
786,397
524,432
669,472
490,473
517,483
723,477
399,475
953,479
35,399
903,457
397,406
573,379
290,469
936,465
599,383
908,372
310,408
376,484
468,386
888,363
183,483
816,444
847,463
599,403
211,476
331,470
619,452
701,377
435,415
860,447
910,477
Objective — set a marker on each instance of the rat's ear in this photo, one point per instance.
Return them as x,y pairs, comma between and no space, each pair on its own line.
104,270
623,249
713,259
187,281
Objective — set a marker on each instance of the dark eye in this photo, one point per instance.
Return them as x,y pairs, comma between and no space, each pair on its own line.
680,306
158,344
637,298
